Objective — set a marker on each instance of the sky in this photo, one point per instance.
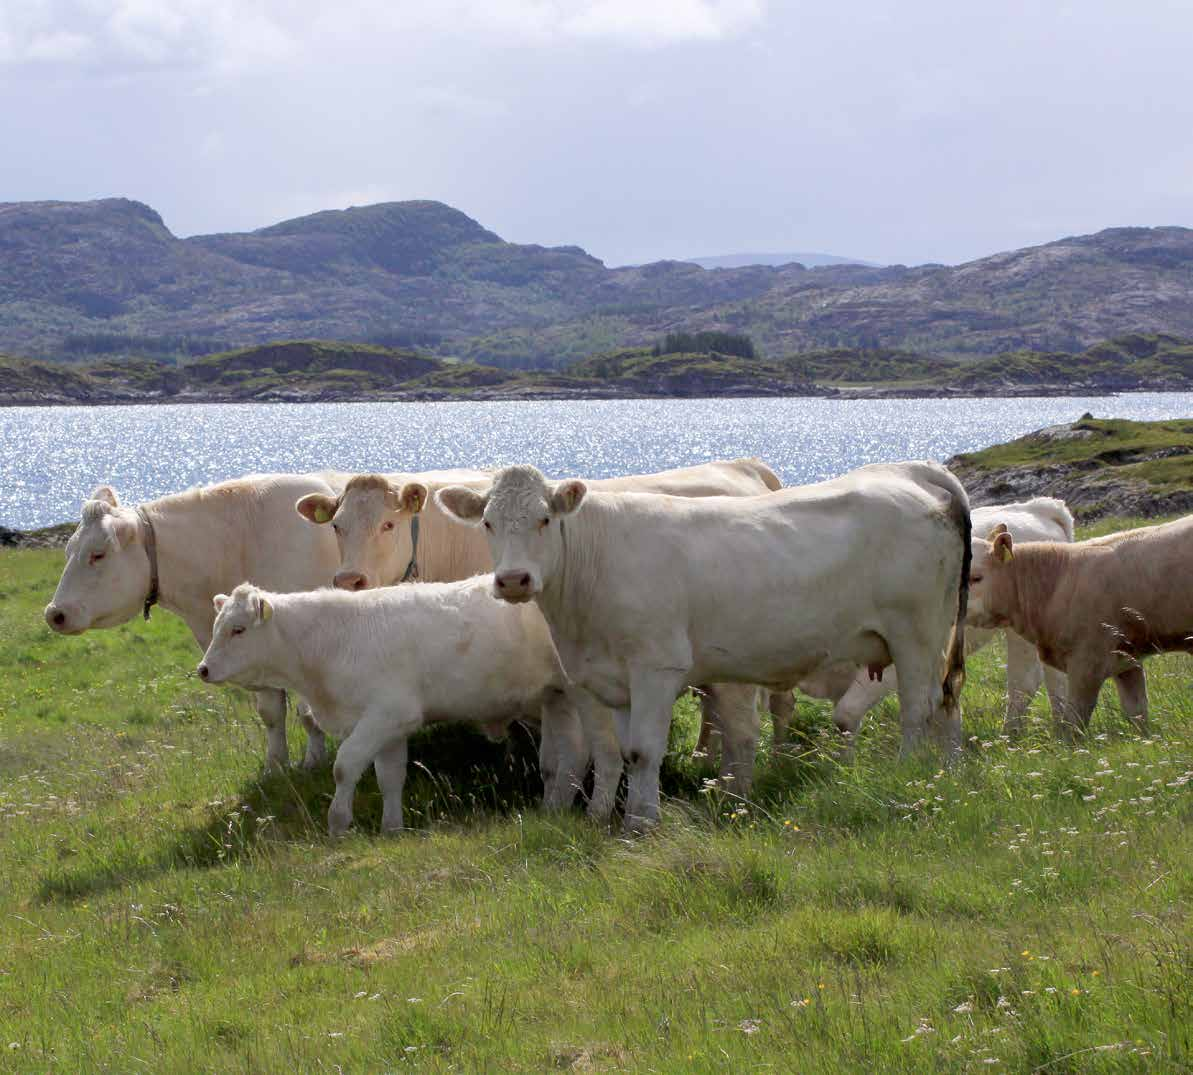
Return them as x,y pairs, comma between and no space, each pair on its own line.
909,131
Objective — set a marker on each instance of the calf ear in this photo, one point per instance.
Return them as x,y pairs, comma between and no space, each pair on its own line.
567,496
1001,548
462,504
219,601
316,507
412,497
1000,528
106,494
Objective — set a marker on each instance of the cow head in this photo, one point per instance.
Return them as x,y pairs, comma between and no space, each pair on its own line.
240,639
988,579
371,519
521,513
107,574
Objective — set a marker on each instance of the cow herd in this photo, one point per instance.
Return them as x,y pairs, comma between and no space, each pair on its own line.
589,606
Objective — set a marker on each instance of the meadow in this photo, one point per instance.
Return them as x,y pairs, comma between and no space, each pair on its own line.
166,907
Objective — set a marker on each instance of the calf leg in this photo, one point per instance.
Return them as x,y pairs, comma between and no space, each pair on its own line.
1057,685
316,753
1025,672
736,709
1132,695
271,708
390,767
862,695
921,697
709,728
652,694
1079,706
376,733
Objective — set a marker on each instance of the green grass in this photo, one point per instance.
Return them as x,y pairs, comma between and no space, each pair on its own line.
164,908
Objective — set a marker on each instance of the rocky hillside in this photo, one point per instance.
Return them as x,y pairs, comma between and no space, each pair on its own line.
108,277
1098,466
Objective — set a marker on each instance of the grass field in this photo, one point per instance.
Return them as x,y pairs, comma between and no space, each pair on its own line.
165,908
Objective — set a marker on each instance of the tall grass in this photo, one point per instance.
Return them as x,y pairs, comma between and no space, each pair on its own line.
164,907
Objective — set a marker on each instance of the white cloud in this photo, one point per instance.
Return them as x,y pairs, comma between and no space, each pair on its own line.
238,35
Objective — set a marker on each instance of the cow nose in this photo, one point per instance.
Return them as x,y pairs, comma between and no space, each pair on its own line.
514,581
55,617
351,580
204,671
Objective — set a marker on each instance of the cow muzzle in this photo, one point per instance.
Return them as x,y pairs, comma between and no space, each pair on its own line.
514,586
61,620
351,580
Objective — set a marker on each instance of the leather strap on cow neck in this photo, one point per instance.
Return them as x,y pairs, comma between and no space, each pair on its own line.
412,567
150,539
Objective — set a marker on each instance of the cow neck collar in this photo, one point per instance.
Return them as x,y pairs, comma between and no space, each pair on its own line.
411,571
149,539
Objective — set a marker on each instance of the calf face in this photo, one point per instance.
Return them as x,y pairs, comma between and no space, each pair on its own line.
107,574
522,513
991,588
240,642
371,520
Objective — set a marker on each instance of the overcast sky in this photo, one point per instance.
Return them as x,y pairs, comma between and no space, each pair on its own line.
916,130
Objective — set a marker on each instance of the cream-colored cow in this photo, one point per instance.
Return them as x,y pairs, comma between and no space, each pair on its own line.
179,551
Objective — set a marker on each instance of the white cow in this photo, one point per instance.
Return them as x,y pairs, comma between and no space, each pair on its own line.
380,664
373,519
179,551
646,593
855,692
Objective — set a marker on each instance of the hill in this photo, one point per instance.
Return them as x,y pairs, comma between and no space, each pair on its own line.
1098,466
109,278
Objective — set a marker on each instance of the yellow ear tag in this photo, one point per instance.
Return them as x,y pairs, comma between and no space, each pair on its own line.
266,610
418,503
322,515
1007,555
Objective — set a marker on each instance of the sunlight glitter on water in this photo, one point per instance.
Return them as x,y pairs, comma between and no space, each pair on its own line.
52,457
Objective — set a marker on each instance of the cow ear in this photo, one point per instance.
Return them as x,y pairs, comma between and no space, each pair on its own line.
1001,548
412,497
106,494
567,496
219,601
462,504
317,507
125,528
1001,528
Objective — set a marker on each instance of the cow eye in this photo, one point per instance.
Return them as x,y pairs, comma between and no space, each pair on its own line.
97,556
975,578
544,521
388,525
237,630
488,525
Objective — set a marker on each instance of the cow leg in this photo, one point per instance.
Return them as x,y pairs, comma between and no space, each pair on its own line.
562,755
782,708
1132,695
390,767
862,695
736,708
375,733
271,708
600,734
652,695
1025,673
709,723
316,753
921,696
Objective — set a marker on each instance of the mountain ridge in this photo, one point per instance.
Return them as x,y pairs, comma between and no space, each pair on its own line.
97,277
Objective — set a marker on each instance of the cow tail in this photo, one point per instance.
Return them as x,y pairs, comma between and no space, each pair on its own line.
954,677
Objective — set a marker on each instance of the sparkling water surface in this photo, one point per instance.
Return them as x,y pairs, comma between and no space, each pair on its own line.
52,457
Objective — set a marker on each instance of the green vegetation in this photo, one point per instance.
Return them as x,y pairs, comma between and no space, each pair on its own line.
166,908
706,343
